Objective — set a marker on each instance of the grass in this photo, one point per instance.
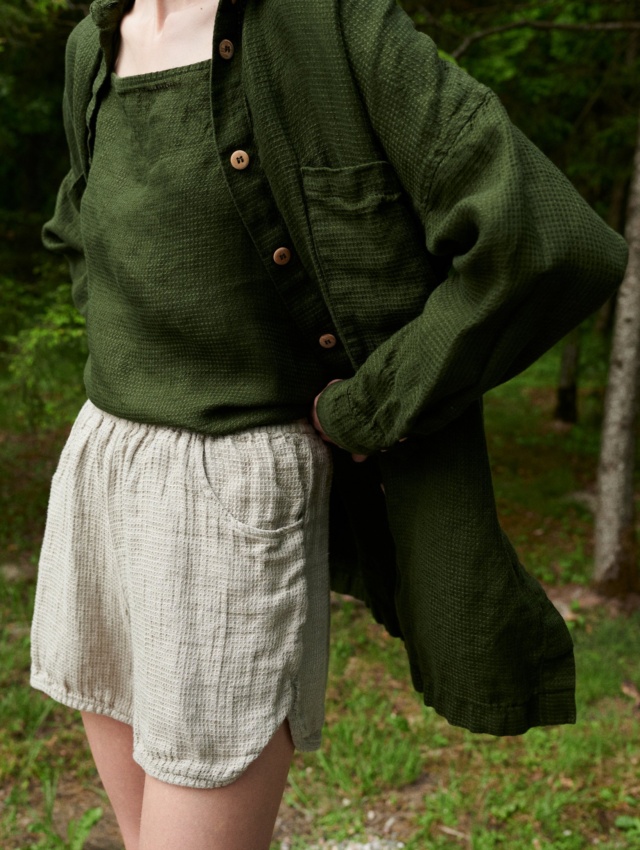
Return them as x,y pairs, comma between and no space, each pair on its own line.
562,787
388,767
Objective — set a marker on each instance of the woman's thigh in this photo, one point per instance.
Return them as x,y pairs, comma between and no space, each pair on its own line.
238,816
123,779
155,814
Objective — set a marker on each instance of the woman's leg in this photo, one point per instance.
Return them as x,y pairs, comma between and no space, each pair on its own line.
111,745
239,816
154,814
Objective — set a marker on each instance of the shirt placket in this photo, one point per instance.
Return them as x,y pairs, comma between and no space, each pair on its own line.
249,188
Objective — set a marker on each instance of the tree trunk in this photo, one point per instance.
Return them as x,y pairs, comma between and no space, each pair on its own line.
615,219
567,395
604,318
616,547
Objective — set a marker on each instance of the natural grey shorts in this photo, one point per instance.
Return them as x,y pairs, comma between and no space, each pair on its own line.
183,588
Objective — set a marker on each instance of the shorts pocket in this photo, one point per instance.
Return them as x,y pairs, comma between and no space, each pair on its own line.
259,481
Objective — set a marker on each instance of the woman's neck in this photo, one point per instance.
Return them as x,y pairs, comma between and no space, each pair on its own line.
159,10
160,34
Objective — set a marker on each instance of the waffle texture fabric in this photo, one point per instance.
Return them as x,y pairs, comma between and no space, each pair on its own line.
443,253
183,588
184,326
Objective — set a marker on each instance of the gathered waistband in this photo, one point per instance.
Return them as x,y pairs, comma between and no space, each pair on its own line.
91,415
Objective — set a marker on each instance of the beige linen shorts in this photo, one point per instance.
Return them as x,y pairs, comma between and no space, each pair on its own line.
183,588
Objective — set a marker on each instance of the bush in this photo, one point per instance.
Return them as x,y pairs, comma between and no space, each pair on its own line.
44,353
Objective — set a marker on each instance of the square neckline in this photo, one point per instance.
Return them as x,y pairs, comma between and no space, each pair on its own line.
153,79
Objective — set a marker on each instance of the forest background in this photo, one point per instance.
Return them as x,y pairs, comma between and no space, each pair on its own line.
568,73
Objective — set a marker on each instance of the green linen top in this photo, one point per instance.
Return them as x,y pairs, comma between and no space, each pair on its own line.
184,326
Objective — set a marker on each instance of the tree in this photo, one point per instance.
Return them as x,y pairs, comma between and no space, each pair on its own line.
33,153
616,547
567,398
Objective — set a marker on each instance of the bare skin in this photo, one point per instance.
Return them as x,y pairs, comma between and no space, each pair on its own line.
160,34
155,815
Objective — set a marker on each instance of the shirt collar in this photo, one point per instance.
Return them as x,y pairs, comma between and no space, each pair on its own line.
107,14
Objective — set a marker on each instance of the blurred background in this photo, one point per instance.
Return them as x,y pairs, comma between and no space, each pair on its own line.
563,442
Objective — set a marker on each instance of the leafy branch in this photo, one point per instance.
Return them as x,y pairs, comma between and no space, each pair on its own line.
611,26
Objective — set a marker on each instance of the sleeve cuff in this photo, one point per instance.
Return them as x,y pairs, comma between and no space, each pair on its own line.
347,427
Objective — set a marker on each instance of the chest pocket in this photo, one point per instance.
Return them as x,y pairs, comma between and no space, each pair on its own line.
370,250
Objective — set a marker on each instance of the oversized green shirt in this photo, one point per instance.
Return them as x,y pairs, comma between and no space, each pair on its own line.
443,253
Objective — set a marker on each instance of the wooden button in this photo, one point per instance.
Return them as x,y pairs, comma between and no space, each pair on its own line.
225,48
239,159
281,256
327,340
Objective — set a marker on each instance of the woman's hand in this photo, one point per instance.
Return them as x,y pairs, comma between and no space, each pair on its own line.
316,422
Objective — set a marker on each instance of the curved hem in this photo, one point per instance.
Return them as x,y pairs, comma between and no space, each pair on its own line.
40,682
307,743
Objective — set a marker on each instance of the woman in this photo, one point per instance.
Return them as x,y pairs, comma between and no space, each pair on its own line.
183,592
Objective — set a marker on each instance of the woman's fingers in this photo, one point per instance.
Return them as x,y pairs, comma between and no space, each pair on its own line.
314,416
316,424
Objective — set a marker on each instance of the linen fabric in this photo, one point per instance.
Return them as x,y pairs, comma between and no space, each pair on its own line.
444,253
183,588
184,326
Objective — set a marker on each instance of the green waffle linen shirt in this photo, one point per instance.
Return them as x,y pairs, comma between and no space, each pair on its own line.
184,325
444,253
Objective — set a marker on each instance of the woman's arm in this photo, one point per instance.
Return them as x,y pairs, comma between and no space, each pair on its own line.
62,233
530,259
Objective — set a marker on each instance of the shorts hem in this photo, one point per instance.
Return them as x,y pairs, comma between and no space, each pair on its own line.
183,778
310,744
301,739
203,777
40,682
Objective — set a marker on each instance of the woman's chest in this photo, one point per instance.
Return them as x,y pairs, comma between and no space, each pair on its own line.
148,44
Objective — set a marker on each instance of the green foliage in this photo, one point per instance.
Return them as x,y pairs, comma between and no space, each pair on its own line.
43,357
77,829
33,154
17,302
630,825
574,93
371,748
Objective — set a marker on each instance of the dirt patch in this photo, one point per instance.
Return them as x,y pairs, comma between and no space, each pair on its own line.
572,599
73,799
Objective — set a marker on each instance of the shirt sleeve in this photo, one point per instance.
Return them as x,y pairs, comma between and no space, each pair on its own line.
62,234
529,257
